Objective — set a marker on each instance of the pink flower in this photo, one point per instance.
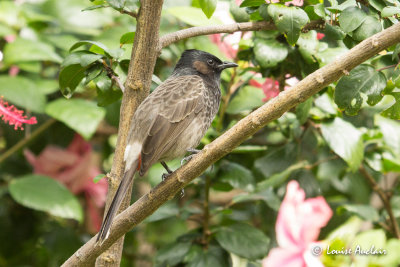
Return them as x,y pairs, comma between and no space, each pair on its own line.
270,88
11,115
75,168
224,45
320,35
10,38
13,71
297,228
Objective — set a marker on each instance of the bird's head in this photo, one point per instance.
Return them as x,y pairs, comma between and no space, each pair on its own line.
203,63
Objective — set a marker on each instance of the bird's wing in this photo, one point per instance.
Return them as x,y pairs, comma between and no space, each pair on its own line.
180,99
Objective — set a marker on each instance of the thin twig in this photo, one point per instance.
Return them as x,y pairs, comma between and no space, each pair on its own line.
26,140
315,164
386,201
388,67
130,13
113,76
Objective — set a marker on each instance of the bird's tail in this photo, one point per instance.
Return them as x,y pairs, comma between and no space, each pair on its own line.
113,209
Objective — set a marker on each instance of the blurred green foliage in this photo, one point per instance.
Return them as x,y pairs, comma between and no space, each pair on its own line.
229,212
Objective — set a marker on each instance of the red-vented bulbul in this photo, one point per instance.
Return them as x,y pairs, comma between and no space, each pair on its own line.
171,120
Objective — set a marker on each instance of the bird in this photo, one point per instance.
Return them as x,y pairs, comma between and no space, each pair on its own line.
171,121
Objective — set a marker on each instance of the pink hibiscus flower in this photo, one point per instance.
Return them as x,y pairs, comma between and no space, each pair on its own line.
13,116
75,168
270,88
297,228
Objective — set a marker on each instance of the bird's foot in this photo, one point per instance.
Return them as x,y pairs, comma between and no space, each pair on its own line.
169,171
190,150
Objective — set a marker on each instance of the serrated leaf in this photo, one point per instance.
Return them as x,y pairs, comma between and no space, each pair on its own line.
208,7
80,115
351,18
345,140
243,240
127,38
364,79
22,92
289,20
268,53
46,194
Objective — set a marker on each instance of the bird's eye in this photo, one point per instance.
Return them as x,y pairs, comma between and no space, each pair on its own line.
210,62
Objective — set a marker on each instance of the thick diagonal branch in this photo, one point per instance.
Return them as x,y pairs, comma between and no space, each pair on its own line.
245,128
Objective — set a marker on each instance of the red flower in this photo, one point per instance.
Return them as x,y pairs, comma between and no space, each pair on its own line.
224,44
270,88
297,228
75,168
320,35
13,116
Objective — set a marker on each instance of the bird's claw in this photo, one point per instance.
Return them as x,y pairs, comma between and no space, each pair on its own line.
190,150
165,176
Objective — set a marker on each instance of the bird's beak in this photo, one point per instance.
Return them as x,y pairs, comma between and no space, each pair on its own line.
226,65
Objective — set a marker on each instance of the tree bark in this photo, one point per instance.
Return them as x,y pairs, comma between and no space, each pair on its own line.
137,87
245,128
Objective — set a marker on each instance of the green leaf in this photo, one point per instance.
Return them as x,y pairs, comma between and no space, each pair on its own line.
390,11
25,50
70,77
393,112
303,110
236,175
345,140
22,92
84,58
173,253
96,47
246,99
94,7
106,93
213,256
192,16
276,160
277,179
269,52
243,240
308,46
377,4
267,195
391,133
364,79
80,115
247,3
46,194
365,212
334,32
335,8
239,14
369,27
395,56
99,177
127,38
351,18
315,12
208,7
289,20
116,4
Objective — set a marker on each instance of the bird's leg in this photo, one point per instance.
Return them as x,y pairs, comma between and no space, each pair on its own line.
190,150
165,175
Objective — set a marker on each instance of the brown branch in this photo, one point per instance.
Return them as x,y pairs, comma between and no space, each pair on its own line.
314,25
245,128
206,212
170,38
174,37
130,13
143,59
385,200
113,76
